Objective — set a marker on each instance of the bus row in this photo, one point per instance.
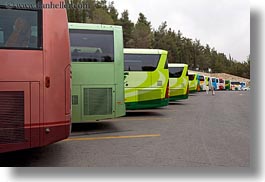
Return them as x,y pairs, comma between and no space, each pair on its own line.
216,83
54,73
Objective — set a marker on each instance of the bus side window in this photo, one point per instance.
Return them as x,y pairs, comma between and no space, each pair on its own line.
21,34
20,28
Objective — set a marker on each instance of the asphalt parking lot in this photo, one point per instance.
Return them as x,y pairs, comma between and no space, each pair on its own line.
203,130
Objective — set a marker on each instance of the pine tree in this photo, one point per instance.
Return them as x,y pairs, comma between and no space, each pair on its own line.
128,27
142,34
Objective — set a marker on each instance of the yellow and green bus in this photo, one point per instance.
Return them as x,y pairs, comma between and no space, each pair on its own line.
202,83
146,78
97,72
193,82
227,84
178,81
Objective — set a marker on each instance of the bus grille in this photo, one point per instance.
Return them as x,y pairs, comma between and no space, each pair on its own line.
97,101
11,117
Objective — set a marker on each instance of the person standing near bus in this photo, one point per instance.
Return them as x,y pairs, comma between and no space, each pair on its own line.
211,85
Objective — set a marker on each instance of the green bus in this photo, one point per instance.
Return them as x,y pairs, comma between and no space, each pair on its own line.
97,72
146,78
227,84
193,82
178,81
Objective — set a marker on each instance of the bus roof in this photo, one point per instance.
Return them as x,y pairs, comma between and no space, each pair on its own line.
177,65
144,51
90,26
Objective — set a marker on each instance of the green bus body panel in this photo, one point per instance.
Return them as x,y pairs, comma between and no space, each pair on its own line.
228,85
98,87
178,87
193,84
179,97
146,89
147,104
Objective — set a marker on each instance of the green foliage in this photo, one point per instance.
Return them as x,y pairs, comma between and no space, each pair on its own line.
128,27
100,16
142,34
180,49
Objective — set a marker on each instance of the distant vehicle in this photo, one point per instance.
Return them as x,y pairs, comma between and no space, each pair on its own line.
193,82
207,81
235,85
214,85
217,83
202,83
98,72
178,81
146,78
227,84
246,88
243,85
221,84
198,82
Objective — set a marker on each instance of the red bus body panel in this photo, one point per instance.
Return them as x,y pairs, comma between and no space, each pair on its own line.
47,106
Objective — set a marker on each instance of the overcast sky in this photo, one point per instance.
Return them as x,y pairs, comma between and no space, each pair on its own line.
223,24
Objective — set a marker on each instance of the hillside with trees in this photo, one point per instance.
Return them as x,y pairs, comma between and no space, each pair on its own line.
141,35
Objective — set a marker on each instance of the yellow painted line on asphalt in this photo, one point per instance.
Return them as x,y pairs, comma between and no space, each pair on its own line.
113,137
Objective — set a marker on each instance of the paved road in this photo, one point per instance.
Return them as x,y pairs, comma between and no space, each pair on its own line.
204,130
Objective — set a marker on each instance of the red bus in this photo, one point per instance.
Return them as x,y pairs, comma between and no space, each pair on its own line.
35,75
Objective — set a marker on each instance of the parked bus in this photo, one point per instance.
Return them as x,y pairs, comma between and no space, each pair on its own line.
178,81
221,84
207,83
146,78
242,85
35,97
214,84
235,85
227,84
98,75
198,82
193,82
217,83
202,83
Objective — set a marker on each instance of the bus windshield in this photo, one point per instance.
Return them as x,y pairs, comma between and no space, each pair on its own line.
201,78
141,62
175,72
92,46
235,83
191,77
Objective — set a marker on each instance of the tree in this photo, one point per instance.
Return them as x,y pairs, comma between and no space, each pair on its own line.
142,34
128,27
102,17
101,4
166,39
113,12
80,15
180,49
